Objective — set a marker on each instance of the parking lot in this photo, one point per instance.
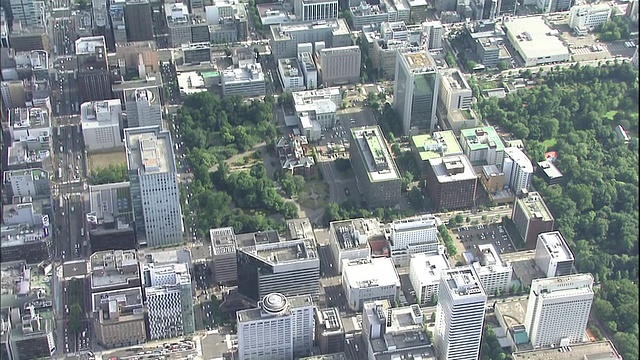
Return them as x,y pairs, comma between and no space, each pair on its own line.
471,236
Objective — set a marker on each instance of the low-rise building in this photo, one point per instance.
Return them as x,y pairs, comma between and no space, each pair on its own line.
291,75
424,274
339,65
376,173
414,235
366,280
31,126
113,270
349,239
535,41
32,243
101,122
483,146
29,332
435,145
316,110
293,152
28,182
110,219
492,179
118,317
245,80
585,18
365,14
487,40
549,172
531,217
451,182
286,37
553,254
196,53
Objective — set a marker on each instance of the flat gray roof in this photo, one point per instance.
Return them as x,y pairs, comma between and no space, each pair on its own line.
149,150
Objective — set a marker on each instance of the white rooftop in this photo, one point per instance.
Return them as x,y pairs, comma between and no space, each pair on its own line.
462,283
536,39
95,114
414,223
90,45
364,273
519,158
452,168
556,246
429,266
149,150
372,146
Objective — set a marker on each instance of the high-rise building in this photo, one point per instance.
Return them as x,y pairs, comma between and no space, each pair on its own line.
434,32
118,24
460,315
451,182
169,297
279,329
143,109
179,23
424,273
94,78
154,186
100,122
339,65
365,280
558,310
553,254
223,255
455,92
531,217
413,235
415,94
518,169
30,333
494,275
376,173
29,13
314,10
110,220
483,146
137,14
330,335
268,265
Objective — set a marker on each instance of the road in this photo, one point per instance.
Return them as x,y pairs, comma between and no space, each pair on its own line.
64,86
62,36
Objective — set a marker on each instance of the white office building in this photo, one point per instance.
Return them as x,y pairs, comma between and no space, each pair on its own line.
433,32
314,10
584,18
553,254
245,80
154,186
315,110
169,300
494,275
28,182
291,75
517,169
413,235
558,310
460,315
349,239
365,280
100,121
278,329
143,109
455,92
425,271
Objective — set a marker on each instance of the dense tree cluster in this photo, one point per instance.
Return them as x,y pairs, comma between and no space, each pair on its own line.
452,251
490,348
615,29
597,207
214,129
75,291
351,210
110,174
292,185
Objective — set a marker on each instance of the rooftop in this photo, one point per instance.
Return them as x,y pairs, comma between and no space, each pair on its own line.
601,350
247,72
336,26
482,138
257,238
452,168
419,61
375,153
33,174
463,282
340,50
429,266
22,234
161,275
534,207
454,78
550,170
520,158
100,113
292,152
534,37
283,252
276,305
364,273
330,320
555,286
289,67
109,204
124,298
299,229
356,233
19,154
334,356
177,14
180,255
556,246
438,144
91,45
29,118
223,241
149,150
113,268
512,312
418,222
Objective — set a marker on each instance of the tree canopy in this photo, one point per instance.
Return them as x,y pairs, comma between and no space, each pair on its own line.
574,112
110,174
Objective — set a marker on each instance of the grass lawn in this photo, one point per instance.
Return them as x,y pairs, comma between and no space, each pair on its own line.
321,189
610,114
549,143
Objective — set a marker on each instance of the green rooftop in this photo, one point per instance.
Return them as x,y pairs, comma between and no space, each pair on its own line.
438,144
210,74
482,138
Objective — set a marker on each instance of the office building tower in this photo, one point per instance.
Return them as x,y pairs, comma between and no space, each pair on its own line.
118,317
424,273
100,122
460,315
113,270
94,78
376,173
179,23
434,145
279,329
143,109
365,280
23,241
494,275
415,94
340,65
518,170
413,235
434,32
117,21
451,182
196,53
34,183
314,10
29,13
110,217
169,295
330,335
223,255
246,80
137,14
483,146
29,332
13,94
558,310
553,254
455,92
531,217
285,38
154,186
349,239
268,265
